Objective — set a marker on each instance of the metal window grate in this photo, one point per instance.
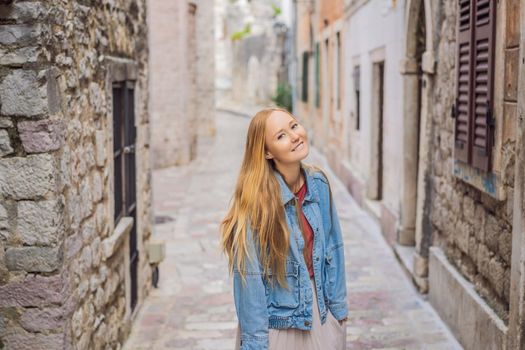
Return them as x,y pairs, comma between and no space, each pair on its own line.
124,155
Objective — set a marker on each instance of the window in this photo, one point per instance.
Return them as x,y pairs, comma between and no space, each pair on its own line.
304,90
357,87
317,76
124,136
474,122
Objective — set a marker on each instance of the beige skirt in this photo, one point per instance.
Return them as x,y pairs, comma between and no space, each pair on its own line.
329,336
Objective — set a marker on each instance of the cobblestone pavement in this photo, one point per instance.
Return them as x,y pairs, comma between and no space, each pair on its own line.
193,306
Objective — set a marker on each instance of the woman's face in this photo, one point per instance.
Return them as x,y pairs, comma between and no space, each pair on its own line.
285,139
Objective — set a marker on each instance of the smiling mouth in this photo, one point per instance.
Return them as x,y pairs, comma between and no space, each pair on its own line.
300,143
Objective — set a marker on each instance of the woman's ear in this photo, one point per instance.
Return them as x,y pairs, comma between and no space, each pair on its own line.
268,155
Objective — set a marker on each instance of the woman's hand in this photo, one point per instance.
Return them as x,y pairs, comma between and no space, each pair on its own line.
343,320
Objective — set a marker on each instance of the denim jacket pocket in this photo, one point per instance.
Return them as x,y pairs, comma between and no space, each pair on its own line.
285,297
330,269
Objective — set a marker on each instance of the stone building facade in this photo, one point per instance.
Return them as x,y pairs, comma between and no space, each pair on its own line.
75,173
350,96
182,80
251,65
320,78
455,222
471,211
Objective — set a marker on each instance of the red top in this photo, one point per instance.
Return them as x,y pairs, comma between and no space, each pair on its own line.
308,233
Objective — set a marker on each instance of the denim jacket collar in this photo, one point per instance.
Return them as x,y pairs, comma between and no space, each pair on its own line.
311,189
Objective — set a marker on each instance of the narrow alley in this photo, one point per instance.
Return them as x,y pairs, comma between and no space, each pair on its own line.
193,306
123,125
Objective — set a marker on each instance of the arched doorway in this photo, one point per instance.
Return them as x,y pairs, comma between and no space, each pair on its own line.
414,231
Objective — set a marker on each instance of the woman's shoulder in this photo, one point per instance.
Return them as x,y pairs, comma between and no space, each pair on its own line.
317,173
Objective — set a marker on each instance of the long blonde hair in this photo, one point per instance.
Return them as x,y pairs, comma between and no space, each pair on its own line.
257,202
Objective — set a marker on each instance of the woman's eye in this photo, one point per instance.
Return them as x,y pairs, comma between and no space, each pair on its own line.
280,136
295,125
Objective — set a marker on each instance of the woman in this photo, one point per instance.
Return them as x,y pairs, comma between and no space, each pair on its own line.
284,244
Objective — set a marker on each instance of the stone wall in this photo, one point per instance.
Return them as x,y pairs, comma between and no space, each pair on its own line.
473,228
63,272
182,81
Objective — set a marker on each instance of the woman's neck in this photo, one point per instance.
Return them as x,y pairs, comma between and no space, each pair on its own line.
291,174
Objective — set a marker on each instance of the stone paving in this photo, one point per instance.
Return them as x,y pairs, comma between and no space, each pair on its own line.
193,306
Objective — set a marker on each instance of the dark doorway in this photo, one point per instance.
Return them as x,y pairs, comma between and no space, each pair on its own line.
124,137
375,184
380,105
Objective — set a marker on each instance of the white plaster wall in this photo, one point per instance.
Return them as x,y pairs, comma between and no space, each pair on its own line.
374,25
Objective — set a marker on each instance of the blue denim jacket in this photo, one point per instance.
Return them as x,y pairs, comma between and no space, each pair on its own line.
261,306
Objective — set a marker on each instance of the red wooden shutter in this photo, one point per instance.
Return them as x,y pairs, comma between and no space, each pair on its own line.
483,46
464,82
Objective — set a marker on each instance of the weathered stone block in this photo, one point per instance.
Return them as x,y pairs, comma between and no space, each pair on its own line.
97,252
497,275
492,232
19,56
96,98
94,282
22,11
97,186
508,161
40,223
88,230
469,209
90,313
506,287
89,155
85,339
86,199
6,122
467,268
86,258
103,273
100,145
4,223
38,320
483,258
65,170
27,177
78,322
5,144
511,74
33,259
479,223
455,201
462,236
20,34
473,245
99,298
100,219
73,245
22,95
505,245
22,340
42,135
33,290
4,272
